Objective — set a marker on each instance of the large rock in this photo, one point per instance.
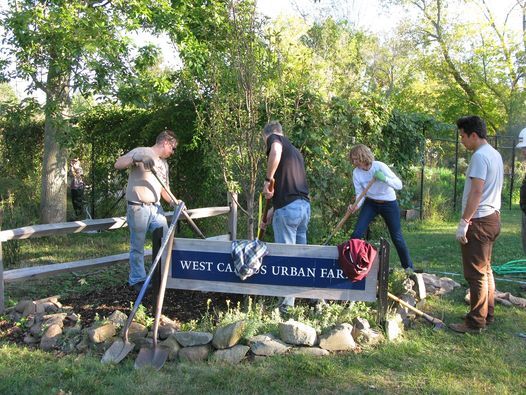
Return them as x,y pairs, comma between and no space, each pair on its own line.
50,338
393,327
194,353
420,285
229,335
311,351
21,306
266,345
102,333
136,331
338,339
297,333
191,338
118,318
54,319
172,345
232,355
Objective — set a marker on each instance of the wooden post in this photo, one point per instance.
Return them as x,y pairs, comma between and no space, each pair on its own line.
2,301
383,277
232,216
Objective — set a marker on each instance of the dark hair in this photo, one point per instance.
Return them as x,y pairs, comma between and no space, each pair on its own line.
166,135
272,127
473,124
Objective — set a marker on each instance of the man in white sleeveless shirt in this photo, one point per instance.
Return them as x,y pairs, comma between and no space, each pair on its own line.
144,212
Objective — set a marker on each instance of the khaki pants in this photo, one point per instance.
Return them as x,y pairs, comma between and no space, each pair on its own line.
476,260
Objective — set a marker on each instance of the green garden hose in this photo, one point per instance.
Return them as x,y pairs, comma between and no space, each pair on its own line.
515,267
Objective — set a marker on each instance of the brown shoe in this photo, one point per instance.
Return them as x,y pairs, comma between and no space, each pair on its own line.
461,327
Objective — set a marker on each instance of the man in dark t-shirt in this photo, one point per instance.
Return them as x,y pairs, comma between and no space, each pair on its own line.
290,214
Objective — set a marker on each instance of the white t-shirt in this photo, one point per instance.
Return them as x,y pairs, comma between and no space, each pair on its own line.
486,164
142,185
379,190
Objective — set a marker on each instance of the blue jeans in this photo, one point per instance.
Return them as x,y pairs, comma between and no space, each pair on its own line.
290,227
390,212
142,219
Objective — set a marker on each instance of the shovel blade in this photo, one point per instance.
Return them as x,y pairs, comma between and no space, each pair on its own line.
153,357
117,351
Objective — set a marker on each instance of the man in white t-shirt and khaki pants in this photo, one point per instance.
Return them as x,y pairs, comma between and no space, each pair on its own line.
480,223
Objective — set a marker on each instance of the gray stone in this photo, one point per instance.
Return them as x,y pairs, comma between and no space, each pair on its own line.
229,335
118,318
52,299
50,338
311,351
297,333
172,345
72,318
267,345
368,337
165,331
232,355
338,339
393,327
136,331
21,306
194,353
54,319
40,308
191,338
29,309
164,320
420,285
142,342
30,339
102,333
359,324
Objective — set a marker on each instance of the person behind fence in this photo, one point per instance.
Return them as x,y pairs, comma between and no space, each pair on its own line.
144,211
380,199
291,209
76,187
522,201
479,224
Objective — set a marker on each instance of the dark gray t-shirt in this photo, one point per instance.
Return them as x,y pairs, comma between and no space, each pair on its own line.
290,178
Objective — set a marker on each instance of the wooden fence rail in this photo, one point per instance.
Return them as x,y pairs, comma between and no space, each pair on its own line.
91,225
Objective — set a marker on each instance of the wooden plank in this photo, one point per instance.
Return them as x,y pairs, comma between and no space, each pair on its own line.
89,225
56,268
307,271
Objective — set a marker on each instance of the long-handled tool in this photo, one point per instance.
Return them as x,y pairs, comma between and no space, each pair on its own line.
350,210
122,347
176,201
438,324
263,222
156,356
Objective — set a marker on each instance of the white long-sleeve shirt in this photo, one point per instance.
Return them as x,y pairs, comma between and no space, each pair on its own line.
379,190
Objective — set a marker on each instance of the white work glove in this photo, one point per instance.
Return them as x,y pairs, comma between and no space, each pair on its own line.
462,230
147,161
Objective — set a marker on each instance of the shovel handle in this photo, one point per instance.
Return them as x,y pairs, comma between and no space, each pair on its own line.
349,211
438,323
261,230
176,201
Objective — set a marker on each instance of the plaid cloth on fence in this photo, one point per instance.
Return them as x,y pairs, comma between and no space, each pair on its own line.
248,257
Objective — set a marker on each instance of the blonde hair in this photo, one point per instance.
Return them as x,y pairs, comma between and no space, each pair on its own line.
362,154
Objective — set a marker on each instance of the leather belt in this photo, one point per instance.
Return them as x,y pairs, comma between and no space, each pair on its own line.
377,201
130,203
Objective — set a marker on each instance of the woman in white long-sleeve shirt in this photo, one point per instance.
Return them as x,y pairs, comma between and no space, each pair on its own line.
380,199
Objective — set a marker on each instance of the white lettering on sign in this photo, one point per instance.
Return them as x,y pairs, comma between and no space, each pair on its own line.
196,265
224,267
330,273
293,271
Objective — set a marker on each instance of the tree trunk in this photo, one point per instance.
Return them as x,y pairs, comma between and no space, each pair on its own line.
53,201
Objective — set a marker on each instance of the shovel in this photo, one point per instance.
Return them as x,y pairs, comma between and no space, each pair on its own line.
122,347
176,201
438,324
155,356
349,211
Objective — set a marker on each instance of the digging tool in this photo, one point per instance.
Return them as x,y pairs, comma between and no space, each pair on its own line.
438,324
155,356
176,201
261,231
122,347
349,211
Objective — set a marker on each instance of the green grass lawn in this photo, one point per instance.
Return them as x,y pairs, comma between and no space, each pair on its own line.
422,361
